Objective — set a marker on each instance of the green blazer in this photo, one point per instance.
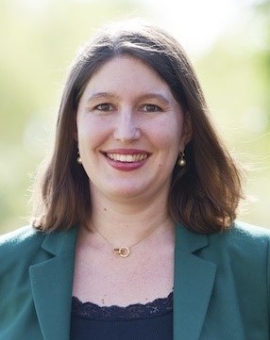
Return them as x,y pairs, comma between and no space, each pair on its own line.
221,287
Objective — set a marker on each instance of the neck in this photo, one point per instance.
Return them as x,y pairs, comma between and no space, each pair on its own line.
127,223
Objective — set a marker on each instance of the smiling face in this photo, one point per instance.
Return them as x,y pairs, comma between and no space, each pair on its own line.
130,130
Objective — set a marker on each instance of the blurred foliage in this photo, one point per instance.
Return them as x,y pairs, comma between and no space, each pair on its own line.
235,75
40,38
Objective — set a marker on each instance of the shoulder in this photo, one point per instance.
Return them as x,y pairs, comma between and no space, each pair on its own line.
250,231
21,244
243,233
27,245
20,238
240,245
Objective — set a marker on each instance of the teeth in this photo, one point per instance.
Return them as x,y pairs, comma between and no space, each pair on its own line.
127,158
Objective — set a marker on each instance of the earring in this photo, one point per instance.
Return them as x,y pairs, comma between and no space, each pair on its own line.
181,161
79,160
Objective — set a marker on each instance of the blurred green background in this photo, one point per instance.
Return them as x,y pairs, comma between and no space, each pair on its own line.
227,41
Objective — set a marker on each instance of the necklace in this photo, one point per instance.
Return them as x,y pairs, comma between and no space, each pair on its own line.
125,251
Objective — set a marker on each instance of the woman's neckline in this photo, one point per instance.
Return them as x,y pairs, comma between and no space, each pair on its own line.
89,310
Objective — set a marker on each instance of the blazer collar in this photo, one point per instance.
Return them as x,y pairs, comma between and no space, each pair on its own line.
193,284
52,281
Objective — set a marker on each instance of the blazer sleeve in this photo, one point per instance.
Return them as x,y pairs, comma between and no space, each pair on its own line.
18,251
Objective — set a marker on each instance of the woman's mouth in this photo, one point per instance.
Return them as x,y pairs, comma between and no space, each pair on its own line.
127,158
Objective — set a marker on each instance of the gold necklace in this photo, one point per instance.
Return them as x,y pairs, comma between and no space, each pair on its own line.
124,251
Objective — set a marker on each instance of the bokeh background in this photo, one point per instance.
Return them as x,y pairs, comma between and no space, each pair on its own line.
228,42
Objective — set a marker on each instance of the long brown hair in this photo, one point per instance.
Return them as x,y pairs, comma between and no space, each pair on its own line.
204,195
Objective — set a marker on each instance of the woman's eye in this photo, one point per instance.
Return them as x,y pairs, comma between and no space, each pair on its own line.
104,107
151,108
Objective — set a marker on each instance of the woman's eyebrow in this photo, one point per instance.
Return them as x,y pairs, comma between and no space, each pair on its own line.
98,95
146,96
154,95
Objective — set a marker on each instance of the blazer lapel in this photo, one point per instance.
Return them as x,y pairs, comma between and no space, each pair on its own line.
51,282
193,284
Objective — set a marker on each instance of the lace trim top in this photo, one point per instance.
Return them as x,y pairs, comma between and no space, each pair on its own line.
92,311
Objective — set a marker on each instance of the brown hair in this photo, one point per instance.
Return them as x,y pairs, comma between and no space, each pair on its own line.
204,195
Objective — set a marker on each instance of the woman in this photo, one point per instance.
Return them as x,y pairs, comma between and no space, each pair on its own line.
135,234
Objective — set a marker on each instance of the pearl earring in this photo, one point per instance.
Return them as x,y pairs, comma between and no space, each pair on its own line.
181,161
79,160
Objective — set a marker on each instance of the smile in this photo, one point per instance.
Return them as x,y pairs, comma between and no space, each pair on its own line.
127,158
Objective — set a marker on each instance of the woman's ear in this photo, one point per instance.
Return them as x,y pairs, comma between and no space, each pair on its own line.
75,129
187,129
75,135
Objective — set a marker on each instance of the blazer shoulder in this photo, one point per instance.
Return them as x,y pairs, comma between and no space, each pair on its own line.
20,242
243,239
19,236
248,232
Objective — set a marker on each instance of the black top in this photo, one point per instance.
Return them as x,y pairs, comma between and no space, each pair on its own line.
152,321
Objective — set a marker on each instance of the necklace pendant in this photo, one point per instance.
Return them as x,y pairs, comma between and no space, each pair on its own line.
123,251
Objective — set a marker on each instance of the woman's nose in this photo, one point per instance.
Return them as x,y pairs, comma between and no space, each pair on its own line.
126,129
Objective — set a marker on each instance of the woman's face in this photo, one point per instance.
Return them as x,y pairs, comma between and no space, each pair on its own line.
130,130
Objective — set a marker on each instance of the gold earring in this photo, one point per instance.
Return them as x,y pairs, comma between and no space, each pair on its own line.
181,161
